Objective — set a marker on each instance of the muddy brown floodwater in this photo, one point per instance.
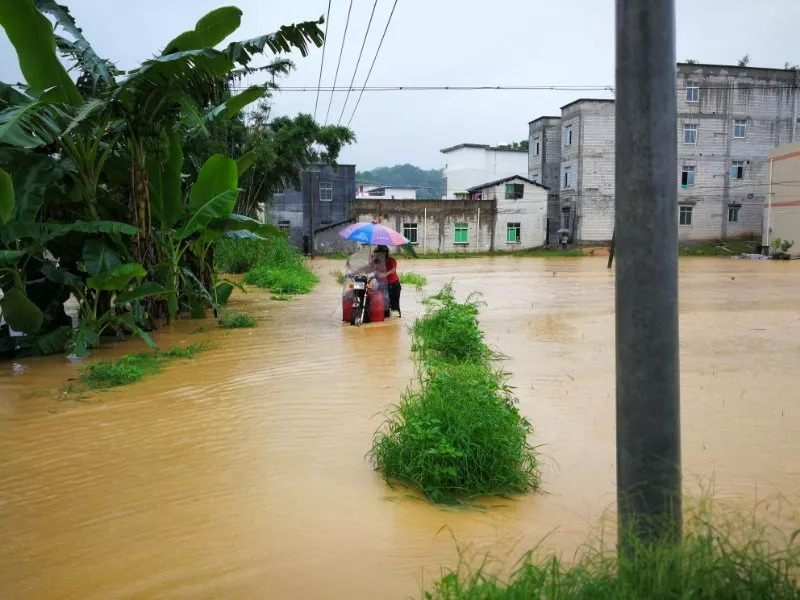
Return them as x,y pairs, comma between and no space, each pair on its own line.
242,474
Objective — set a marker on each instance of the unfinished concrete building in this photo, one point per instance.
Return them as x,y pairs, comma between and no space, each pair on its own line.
587,169
728,119
544,165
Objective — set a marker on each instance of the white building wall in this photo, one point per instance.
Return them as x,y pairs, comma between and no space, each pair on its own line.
467,167
530,212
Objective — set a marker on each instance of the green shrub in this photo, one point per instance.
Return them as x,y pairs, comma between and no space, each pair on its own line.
449,330
741,561
458,433
277,266
411,278
232,319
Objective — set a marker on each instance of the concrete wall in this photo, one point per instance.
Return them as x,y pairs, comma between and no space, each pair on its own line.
436,220
547,164
767,101
782,215
295,206
387,193
467,167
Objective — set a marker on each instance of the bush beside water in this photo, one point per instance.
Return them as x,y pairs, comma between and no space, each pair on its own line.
272,263
458,434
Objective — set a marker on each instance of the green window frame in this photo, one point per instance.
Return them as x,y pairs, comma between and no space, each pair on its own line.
513,233
461,233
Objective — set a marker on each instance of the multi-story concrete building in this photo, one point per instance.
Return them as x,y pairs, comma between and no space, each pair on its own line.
782,209
324,200
468,165
544,164
587,168
728,119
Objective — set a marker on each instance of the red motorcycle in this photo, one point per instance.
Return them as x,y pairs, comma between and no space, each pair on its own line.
365,298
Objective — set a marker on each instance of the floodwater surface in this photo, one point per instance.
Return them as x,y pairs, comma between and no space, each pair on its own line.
242,473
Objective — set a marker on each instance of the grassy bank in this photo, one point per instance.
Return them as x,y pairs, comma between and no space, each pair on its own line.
456,433
730,247
742,558
272,264
132,367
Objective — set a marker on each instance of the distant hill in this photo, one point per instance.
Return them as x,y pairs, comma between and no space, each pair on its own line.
430,183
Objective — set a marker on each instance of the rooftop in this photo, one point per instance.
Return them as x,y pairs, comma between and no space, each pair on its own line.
541,119
489,184
609,100
736,67
482,146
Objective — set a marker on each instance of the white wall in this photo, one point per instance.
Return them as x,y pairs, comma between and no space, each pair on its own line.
469,167
388,193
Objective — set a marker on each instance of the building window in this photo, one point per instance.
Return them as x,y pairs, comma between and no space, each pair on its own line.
687,175
514,191
685,215
536,145
536,178
326,192
568,135
410,232
739,128
461,233
733,214
565,217
737,169
567,176
512,233
284,226
690,133
692,92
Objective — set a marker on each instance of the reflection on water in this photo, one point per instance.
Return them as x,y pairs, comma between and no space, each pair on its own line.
242,474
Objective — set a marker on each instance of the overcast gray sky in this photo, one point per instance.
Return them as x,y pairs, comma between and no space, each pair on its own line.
445,42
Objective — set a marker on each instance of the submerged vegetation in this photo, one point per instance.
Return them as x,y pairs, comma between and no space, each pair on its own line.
457,433
232,319
132,367
411,278
743,558
116,188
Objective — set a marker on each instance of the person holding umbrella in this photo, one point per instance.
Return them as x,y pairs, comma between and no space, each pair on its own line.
563,237
392,279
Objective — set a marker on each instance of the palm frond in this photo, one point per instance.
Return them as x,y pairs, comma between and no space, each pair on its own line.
297,36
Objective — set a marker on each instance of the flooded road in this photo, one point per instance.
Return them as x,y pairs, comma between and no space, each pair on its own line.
242,473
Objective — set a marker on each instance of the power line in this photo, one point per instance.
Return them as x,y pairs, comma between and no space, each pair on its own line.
344,37
322,63
358,62
375,58
457,88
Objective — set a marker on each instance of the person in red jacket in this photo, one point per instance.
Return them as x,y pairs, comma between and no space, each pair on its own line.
392,279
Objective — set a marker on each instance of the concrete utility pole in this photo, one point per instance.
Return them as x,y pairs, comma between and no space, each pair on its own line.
648,404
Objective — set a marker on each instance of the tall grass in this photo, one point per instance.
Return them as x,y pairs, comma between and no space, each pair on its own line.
411,278
740,559
457,433
272,263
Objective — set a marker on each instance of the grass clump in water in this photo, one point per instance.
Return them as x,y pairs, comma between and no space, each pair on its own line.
459,433
411,278
741,560
291,279
232,319
110,373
